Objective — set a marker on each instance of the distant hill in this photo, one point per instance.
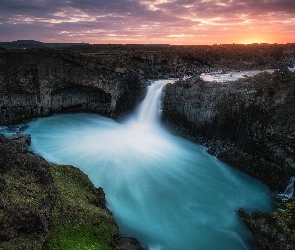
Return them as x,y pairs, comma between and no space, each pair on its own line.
25,44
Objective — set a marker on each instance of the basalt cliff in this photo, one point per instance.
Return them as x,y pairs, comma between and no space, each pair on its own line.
110,79
39,83
248,124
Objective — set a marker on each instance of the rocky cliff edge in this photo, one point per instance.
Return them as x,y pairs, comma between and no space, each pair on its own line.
47,206
248,124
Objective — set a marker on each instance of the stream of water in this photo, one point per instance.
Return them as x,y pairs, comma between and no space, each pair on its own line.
164,190
232,75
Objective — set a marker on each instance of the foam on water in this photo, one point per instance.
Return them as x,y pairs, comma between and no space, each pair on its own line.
162,189
289,192
232,75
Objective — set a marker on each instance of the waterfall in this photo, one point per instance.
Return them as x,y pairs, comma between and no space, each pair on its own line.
148,112
289,192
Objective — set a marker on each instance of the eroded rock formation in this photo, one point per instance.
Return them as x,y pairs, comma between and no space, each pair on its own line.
110,79
252,118
43,82
248,124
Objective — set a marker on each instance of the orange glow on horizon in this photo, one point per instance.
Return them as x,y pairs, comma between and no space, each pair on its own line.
253,41
250,38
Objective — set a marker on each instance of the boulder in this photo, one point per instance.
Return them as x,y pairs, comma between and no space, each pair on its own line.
22,141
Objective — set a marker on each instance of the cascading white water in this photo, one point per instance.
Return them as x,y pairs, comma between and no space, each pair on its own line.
147,115
289,192
164,190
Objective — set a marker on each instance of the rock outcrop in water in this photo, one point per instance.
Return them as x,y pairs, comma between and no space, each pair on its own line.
23,141
52,207
273,230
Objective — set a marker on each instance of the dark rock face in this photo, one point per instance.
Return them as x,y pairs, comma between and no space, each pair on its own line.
110,79
248,124
256,115
129,243
43,82
27,198
272,230
22,141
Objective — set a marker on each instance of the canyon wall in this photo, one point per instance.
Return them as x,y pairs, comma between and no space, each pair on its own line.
110,79
248,123
253,115
39,83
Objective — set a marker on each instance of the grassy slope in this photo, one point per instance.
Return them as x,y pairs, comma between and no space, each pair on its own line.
78,223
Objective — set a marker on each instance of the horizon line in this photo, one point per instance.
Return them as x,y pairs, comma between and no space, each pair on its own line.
167,44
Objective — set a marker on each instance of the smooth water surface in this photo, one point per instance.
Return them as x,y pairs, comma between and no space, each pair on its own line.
164,190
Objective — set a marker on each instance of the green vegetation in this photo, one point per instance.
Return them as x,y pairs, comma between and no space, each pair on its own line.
244,154
274,230
285,218
79,221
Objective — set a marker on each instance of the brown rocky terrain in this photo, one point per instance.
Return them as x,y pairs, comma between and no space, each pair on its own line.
27,198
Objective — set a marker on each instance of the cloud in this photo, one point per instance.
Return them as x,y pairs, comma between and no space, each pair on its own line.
141,20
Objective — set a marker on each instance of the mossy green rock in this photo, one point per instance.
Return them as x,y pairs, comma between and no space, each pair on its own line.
52,207
273,230
80,219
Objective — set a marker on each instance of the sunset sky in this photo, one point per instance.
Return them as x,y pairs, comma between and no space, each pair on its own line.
149,21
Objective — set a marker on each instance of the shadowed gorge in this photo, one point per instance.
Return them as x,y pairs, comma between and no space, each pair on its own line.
161,189
252,117
247,123
110,79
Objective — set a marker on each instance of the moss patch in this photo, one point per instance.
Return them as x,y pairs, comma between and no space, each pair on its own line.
79,220
274,230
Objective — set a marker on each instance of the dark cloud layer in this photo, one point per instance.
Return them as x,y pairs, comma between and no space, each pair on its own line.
178,21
